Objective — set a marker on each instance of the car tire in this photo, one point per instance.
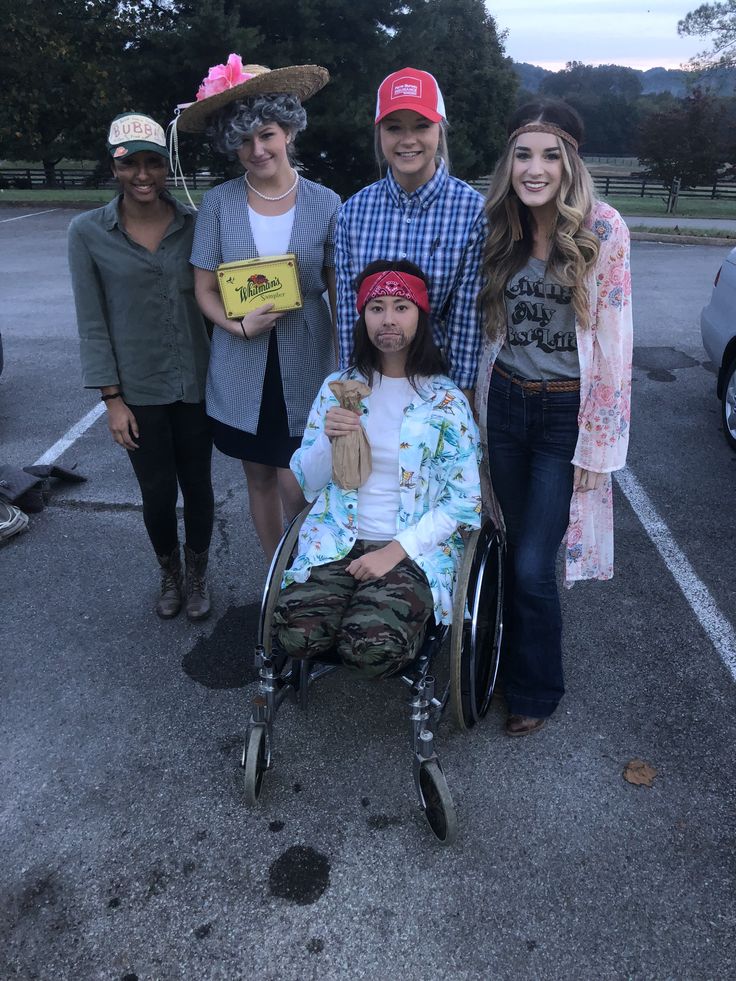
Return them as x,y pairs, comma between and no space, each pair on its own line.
728,405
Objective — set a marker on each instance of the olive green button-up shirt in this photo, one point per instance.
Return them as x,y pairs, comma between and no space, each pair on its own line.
139,324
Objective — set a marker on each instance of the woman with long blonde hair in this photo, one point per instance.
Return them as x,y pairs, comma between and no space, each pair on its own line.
553,387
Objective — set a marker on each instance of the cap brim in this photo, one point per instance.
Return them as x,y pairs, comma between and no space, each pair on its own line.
430,114
135,146
302,81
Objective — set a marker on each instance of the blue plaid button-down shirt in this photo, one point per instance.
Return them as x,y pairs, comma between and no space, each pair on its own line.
441,228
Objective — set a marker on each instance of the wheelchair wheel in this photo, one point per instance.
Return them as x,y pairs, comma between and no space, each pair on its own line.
437,804
255,763
272,588
477,625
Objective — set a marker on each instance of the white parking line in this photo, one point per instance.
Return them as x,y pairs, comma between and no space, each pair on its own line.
33,214
718,629
71,436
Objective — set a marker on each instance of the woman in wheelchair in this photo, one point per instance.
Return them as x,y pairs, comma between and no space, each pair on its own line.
375,562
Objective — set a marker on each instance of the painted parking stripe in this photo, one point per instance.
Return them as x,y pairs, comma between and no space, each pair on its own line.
33,214
77,430
716,626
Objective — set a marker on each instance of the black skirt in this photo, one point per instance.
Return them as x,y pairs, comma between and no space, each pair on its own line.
271,445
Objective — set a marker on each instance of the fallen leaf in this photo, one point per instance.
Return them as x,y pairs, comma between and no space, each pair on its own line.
639,773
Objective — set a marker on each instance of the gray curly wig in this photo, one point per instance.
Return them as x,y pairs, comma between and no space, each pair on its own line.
238,120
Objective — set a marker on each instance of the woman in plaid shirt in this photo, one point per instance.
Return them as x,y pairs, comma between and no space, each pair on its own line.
420,213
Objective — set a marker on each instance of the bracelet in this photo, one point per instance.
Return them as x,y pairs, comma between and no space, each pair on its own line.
115,395
243,330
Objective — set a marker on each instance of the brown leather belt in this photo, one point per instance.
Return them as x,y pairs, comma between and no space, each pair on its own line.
566,385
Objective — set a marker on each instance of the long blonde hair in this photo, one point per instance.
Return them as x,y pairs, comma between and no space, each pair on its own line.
574,246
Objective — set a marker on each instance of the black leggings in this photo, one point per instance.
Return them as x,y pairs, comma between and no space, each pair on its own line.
174,448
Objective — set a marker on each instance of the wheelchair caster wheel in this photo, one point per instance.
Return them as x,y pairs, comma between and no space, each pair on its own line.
437,803
255,763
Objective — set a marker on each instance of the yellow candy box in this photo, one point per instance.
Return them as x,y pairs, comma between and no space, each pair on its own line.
246,285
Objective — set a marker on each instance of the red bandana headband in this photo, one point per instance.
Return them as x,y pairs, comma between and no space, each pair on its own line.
545,128
392,283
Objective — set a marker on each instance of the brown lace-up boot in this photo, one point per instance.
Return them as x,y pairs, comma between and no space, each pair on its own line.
169,602
197,593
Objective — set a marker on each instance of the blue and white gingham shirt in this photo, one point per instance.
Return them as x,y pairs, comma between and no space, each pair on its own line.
441,228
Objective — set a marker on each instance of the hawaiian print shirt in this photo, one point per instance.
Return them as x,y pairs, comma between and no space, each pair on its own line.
604,350
439,453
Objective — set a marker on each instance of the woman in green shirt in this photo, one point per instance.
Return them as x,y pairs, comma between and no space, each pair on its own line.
144,344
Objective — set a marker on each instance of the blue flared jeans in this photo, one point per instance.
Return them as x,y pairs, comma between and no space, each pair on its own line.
531,442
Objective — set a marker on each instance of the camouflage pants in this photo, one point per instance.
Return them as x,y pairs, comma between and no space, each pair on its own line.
375,627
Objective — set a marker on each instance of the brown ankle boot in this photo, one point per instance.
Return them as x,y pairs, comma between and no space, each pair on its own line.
169,602
197,593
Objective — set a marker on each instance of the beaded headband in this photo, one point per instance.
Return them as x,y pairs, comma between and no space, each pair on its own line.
545,128
390,283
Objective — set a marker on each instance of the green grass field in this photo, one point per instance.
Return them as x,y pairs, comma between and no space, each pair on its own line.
686,207
729,236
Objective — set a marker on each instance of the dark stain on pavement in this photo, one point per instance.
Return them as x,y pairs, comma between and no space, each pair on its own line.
297,788
225,658
659,362
156,882
229,744
380,822
129,977
276,826
40,894
300,874
315,945
203,931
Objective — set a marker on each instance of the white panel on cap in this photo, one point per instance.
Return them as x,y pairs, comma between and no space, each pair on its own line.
136,128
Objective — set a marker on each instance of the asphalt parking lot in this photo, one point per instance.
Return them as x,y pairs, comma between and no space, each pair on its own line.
127,851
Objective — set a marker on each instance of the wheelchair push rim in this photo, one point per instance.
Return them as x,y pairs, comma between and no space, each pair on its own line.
476,639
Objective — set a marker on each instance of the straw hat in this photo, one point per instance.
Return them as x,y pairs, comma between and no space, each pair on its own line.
235,81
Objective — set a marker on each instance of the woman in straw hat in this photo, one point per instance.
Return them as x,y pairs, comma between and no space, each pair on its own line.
554,387
144,344
420,213
266,368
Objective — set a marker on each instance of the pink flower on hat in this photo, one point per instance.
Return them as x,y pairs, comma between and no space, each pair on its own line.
220,78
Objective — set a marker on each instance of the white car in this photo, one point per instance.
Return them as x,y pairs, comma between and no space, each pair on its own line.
718,327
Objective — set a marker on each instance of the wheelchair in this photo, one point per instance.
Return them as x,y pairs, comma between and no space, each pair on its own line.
470,649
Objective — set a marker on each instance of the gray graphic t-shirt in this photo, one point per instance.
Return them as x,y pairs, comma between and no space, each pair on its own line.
540,338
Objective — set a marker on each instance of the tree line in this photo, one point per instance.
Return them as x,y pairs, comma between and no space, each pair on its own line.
693,138
68,68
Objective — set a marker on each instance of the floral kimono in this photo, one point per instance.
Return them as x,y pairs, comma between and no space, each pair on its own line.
604,350
438,472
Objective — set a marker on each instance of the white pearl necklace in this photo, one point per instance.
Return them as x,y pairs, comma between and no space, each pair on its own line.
268,197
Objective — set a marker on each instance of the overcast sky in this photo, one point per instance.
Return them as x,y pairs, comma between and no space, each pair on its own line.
638,33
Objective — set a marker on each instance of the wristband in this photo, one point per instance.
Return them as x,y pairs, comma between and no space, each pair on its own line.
243,330
115,395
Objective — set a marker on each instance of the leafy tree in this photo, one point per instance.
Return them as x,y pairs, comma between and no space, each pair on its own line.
169,56
606,96
688,140
719,21
61,76
352,40
457,41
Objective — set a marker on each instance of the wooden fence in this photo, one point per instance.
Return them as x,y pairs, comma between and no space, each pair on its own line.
32,179
645,187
